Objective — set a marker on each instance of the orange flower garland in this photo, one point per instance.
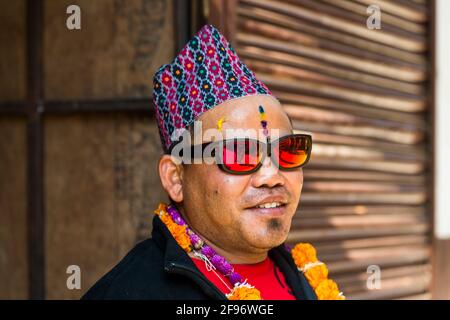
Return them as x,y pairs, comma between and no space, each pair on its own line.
244,292
177,231
316,274
328,290
304,255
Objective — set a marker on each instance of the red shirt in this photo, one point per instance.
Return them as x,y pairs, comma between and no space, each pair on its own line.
264,276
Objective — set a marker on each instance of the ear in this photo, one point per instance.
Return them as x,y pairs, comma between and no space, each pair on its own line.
171,175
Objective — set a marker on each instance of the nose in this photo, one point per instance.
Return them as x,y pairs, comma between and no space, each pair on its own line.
268,175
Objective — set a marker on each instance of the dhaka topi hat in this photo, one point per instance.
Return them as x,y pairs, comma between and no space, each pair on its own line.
206,73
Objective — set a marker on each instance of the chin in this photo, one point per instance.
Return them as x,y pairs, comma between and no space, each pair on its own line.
269,244
270,240
266,233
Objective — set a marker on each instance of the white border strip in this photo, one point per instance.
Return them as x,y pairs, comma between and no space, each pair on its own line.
442,190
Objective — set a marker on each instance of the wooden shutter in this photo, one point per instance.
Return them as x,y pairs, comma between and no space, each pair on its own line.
363,95
79,145
100,182
13,152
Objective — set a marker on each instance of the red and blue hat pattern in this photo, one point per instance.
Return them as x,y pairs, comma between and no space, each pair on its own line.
206,73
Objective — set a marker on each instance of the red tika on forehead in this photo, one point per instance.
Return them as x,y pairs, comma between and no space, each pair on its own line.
206,73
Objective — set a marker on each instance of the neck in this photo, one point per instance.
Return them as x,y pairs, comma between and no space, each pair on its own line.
232,256
236,257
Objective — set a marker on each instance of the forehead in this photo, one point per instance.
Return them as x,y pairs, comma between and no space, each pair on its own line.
243,113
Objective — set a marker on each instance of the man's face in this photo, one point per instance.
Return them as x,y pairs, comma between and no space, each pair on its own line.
222,207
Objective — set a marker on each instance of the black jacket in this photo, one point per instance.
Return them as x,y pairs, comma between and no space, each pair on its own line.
158,268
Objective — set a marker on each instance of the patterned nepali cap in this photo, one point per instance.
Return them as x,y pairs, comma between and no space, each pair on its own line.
205,73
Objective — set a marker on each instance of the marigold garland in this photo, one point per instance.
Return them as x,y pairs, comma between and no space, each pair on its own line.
304,255
244,292
328,290
316,274
177,231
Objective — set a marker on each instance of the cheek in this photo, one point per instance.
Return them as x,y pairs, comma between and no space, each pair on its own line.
215,191
294,183
229,189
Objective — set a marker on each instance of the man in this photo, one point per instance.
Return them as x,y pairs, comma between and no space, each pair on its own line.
232,195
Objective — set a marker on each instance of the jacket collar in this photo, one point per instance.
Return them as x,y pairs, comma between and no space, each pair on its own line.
177,261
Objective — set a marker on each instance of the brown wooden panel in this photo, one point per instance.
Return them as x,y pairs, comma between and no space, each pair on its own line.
101,187
403,275
352,108
362,95
366,47
412,13
116,52
372,100
441,272
393,20
327,20
13,209
394,288
12,50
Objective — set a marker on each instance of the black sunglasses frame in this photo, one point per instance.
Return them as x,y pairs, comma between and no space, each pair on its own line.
267,151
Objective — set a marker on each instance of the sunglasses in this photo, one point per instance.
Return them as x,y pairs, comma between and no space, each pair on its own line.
246,155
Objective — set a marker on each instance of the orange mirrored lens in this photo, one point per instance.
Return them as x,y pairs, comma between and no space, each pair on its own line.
292,151
241,155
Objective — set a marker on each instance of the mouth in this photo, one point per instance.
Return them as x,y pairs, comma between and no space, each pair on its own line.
270,208
269,205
